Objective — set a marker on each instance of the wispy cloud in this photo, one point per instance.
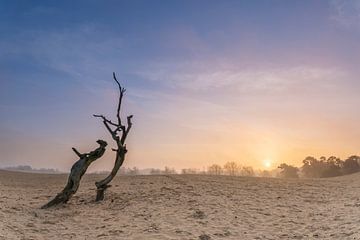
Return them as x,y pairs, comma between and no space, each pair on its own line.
346,12
86,48
203,77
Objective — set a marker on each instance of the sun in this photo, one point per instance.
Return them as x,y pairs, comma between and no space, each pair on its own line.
267,163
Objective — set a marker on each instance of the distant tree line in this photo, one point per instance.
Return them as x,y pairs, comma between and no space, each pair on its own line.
311,168
229,168
147,171
232,168
27,168
321,168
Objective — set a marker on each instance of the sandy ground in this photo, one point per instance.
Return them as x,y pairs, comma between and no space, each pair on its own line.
182,207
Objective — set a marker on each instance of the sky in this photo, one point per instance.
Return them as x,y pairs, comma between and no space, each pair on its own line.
207,81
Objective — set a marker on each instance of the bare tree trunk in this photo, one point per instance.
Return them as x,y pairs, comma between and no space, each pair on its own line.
77,171
121,129
103,184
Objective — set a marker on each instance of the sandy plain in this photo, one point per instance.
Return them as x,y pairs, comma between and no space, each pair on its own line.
182,207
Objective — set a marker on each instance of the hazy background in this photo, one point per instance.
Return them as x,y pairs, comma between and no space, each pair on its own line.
207,81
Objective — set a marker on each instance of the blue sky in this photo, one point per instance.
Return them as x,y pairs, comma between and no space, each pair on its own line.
208,81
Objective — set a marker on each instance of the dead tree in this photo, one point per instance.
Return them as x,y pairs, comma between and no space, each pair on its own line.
119,132
77,171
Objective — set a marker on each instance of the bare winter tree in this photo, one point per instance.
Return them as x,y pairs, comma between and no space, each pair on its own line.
119,132
215,169
77,171
231,168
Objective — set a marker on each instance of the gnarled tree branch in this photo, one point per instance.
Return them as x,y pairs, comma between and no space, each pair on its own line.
119,135
77,171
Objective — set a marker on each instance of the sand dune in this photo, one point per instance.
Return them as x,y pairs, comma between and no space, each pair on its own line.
182,207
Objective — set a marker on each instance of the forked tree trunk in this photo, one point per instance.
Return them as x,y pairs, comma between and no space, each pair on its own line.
77,171
119,133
